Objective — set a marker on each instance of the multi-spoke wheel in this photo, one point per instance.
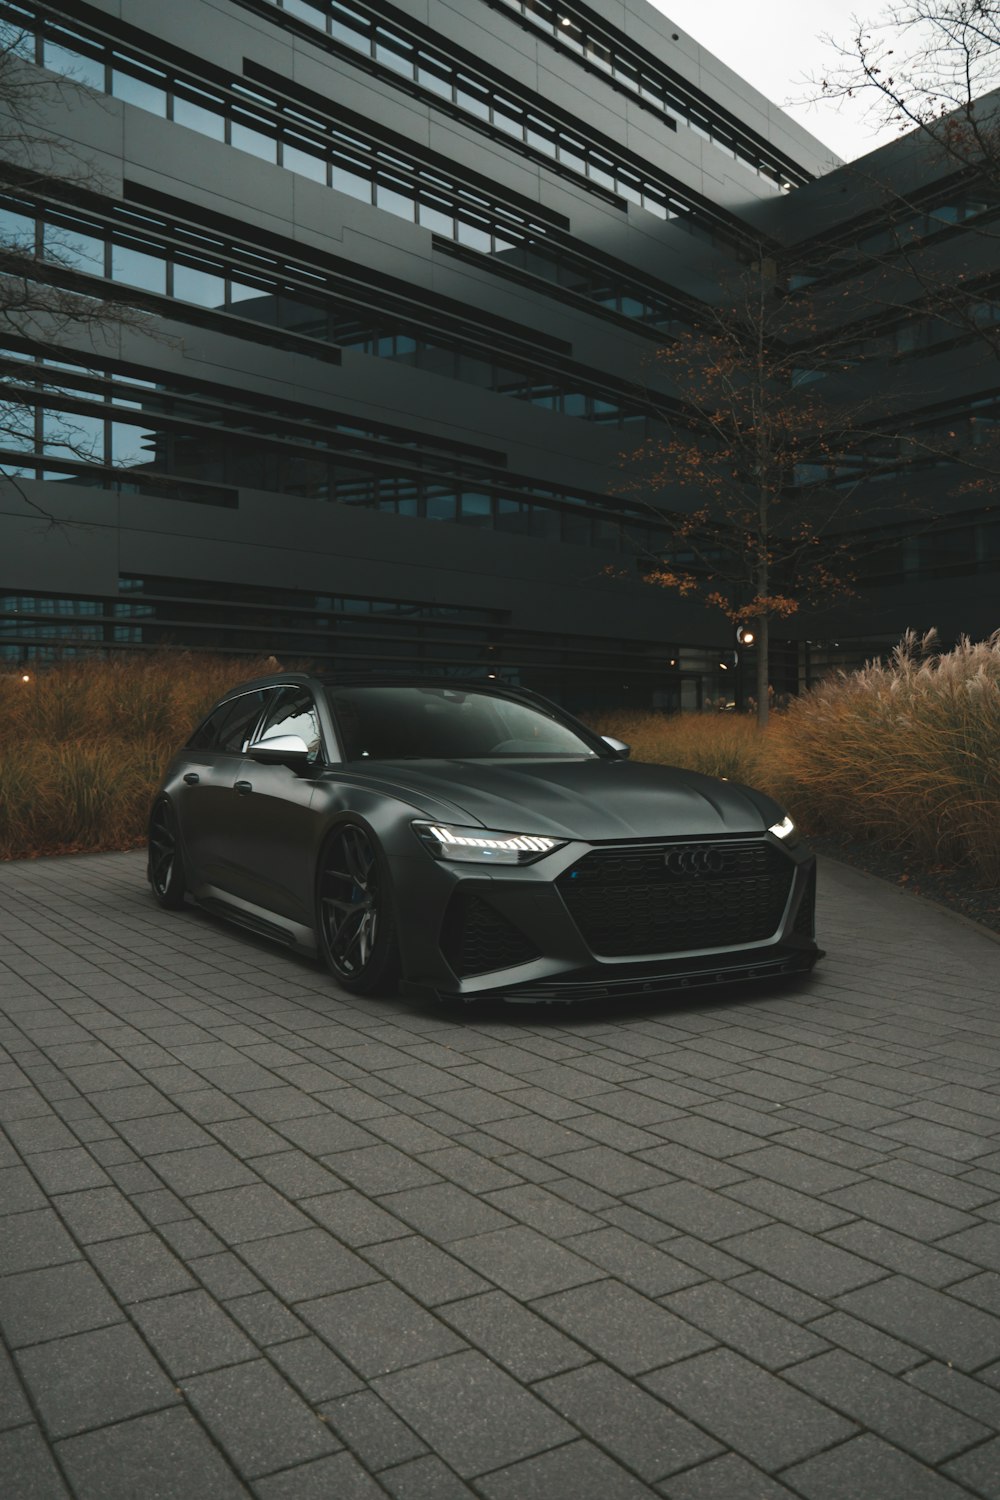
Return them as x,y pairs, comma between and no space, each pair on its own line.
166,867
354,916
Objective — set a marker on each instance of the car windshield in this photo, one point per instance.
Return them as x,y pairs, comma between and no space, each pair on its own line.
442,723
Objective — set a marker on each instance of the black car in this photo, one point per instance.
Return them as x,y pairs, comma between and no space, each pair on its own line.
463,839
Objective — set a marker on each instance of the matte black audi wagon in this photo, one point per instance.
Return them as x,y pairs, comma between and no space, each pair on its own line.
463,839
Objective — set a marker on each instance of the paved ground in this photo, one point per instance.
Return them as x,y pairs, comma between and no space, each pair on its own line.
260,1238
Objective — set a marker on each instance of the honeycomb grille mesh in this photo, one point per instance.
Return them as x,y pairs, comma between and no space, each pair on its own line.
674,898
477,938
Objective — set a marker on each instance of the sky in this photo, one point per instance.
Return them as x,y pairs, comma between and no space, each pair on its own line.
776,45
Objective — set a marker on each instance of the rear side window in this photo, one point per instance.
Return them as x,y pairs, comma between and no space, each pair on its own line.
228,727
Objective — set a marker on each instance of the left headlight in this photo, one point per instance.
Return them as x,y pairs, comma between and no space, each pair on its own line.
784,829
484,846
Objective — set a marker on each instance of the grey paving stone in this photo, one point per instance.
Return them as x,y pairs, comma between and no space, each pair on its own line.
727,1478
190,1238
744,1325
897,1252
693,1166
339,1477
131,1103
19,1192
247,1137
424,1479
99,1214
696,1210
946,1328
778,1296
576,1469
896,1208
971,1396
372,1430
91,1379
354,1220
847,1471
910,1419
979,1244
523,1262
867,1342
756,1414
295,1174
810,1264
708,1136
266,1319
160,1133
29,1470
258,1421
224,1275
624,1328
67,1171
787,1204
139,1267
14,1409
960,1193
444,1212
36,1134
202,1169
167,1455
379,1328
321,1134
52,1303
381,1169
626,1422
249,1213
612,1171
306,1263
471,1413
542,1210
191,1333
314,1369
425,1271
34,1239
980,1469
476,1106
512,1336
633,1261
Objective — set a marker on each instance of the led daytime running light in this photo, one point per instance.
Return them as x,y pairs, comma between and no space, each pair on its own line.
526,843
783,829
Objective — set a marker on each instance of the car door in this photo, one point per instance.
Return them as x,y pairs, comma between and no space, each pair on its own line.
272,826
205,800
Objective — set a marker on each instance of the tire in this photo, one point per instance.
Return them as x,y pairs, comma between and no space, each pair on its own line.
166,865
355,921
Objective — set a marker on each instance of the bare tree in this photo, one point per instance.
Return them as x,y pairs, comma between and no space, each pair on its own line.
46,306
758,483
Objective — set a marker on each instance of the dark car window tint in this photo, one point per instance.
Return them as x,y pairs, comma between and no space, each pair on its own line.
228,727
394,723
292,712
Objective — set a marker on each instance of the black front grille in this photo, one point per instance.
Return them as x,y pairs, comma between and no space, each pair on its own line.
476,937
673,898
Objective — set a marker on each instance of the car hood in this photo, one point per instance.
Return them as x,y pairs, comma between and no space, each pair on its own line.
578,799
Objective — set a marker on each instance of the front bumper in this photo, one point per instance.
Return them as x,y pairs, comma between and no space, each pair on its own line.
593,921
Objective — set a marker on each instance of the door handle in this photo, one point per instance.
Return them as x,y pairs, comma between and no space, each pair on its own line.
192,778
243,787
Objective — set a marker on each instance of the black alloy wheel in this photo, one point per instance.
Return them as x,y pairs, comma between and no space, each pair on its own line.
166,866
355,921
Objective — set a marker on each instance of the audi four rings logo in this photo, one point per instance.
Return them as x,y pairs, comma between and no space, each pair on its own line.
694,861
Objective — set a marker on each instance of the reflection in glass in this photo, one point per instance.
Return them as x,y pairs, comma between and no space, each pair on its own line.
136,268
140,92
305,163
197,117
73,434
201,287
254,141
131,446
75,65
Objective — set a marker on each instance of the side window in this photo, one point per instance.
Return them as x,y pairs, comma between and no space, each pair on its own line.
228,727
292,711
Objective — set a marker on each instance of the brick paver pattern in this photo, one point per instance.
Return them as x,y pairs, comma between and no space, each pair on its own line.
260,1237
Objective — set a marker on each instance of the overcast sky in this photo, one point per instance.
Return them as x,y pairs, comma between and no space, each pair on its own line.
775,44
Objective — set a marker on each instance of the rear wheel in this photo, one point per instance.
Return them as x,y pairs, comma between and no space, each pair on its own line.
354,912
166,866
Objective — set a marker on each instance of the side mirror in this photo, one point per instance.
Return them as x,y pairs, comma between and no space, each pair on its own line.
281,750
622,751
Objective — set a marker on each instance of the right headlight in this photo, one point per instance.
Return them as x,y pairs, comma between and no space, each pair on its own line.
783,830
484,846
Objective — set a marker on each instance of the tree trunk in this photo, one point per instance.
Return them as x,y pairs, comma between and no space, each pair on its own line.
763,632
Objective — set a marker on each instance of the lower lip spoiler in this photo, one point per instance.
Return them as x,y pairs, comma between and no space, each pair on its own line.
566,990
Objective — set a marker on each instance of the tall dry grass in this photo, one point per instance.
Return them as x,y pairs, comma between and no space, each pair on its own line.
905,754
84,743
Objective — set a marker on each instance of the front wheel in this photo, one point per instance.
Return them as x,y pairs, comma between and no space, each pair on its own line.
166,866
354,916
